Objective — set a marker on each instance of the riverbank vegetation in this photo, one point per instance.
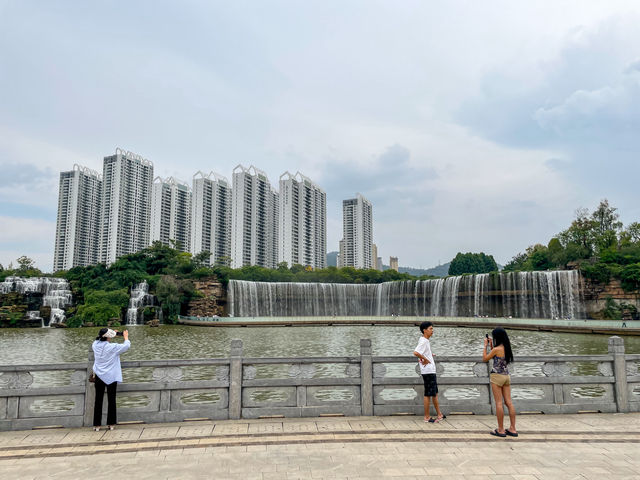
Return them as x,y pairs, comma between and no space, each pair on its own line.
596,242
101,293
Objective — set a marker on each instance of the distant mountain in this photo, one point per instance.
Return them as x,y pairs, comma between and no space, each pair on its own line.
439,271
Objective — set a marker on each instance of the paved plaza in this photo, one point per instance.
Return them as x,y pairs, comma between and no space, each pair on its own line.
583,446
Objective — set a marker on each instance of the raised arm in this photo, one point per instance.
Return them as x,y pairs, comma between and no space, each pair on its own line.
486,356
123,347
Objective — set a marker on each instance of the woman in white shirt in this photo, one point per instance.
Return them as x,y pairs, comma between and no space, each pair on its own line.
108,373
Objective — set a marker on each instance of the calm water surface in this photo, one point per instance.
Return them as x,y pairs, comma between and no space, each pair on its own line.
30,346
48,346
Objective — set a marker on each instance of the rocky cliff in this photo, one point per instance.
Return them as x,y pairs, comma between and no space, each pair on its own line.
211,300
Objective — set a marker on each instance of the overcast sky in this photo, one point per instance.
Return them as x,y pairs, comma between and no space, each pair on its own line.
471,126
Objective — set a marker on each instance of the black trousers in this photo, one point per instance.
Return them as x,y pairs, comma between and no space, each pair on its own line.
111,400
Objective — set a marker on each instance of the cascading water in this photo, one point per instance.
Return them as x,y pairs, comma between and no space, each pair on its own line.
55,293
140,298
556,294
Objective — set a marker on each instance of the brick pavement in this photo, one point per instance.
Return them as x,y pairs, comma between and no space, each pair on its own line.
549,447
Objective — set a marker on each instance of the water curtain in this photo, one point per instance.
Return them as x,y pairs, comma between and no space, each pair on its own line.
55,293
139,299
555,294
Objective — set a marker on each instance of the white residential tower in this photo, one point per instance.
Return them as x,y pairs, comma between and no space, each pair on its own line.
126,204
254,219
357,241
302,223
171,213
78,222
211,217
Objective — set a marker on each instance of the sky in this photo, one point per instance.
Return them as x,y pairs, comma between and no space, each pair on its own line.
470,126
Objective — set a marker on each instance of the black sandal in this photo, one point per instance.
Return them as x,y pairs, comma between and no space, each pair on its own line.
496,433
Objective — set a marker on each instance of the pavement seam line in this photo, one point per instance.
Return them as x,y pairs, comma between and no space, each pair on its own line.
61,451
420,433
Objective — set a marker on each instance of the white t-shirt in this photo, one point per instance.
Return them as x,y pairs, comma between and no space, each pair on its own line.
424,348
107,360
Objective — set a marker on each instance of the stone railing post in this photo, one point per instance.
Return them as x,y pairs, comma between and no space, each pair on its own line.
89,393
366,377
235,380
616,348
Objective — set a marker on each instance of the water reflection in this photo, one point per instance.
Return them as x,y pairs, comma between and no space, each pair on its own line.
46,346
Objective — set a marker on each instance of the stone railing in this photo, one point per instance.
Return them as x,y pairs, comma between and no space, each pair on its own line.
245,387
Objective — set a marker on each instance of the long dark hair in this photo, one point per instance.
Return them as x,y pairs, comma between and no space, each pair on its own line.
101,333
500,337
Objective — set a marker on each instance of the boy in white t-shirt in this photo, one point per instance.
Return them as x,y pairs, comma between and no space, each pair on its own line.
428,371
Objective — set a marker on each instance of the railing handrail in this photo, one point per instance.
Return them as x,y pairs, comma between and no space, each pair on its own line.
185,362
235,388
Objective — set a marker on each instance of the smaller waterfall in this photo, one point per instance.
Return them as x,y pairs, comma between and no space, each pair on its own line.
55,293
140,298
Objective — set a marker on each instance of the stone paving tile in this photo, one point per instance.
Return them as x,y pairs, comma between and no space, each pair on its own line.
300,427
275,427
396,424
7,438
195,430
334,426
119,435
360,458
159,432
44,438
231,429
82,436
362,425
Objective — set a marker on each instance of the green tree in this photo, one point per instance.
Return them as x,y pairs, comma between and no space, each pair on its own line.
472,263
201,259
100,306
606,218
173,293
539,257
580,232
630,277
631,234
517,263
27,267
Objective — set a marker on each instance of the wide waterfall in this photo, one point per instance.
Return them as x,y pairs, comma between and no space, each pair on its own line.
55,293
555,294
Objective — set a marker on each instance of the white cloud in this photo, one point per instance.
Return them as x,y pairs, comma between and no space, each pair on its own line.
371,99
606,111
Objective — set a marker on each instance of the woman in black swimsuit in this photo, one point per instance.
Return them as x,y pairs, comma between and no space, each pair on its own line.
500,379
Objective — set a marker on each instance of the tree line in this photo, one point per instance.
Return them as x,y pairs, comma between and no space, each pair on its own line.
596,242
101,292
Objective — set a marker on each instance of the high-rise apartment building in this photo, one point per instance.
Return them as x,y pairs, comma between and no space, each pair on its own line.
126,205
393,263
302,222
254,223
357,240
211,217
78,222
171,213
376,263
